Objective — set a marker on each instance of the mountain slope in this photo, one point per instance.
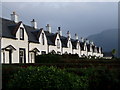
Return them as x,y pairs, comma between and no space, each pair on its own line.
107,39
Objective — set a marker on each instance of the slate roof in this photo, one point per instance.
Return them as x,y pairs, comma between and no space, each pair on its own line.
88,47
82,45
51,37
32,34
64,41
74,43
8,28
97,49
93,47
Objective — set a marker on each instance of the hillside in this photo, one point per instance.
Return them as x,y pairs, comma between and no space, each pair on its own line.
108,39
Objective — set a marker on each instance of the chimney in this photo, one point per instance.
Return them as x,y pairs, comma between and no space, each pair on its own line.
14,17
92,43
48,28
76,36
68,34
59,31
87,41
34,24
82,39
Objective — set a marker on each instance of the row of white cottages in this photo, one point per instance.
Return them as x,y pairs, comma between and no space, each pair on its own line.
20,43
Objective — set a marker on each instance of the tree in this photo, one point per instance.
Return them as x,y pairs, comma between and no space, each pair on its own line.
113,52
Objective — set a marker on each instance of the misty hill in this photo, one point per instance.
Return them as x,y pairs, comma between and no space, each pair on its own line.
108,39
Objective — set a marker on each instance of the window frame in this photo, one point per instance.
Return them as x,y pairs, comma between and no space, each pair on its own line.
21,33
43,39
58,43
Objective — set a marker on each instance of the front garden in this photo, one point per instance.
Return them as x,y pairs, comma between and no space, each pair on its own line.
68,73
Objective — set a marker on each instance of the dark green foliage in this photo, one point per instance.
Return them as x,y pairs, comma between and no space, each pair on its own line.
70,56
55,58
7,71
88,71
42,78
48,58
100,78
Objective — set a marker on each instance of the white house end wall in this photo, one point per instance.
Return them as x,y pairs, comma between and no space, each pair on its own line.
17,44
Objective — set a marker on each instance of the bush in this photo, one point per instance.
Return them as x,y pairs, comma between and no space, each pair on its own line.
70,56
7,71
100,78
47,78
48,58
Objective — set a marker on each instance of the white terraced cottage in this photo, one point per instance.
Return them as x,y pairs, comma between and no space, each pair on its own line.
20,43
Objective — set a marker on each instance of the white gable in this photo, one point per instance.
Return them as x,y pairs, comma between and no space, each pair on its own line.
42,35
18,33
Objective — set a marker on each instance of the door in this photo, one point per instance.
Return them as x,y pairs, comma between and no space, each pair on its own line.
22,55
10,56
32,60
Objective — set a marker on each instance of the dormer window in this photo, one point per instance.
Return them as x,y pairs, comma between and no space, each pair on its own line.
43,42
58,43
69,44
90,48
21,34
77,45
85,48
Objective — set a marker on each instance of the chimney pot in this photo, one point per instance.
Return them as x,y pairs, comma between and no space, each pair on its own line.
58,28
68,34
14,17
48,28
14,12
59,31
76,36
48,25
82,39
34,24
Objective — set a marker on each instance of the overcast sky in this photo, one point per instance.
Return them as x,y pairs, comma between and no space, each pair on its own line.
83,18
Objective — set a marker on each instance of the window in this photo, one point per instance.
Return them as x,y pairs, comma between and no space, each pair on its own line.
3,57
32,56
21,34
69,44
43,42
58,52
43,52
58,43
77,45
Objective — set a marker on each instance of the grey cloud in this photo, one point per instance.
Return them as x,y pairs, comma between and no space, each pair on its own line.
83,18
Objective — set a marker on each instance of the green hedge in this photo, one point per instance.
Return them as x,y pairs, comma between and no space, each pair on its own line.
48,58
55,58
99,78
42,78
7,71
71,58
96,78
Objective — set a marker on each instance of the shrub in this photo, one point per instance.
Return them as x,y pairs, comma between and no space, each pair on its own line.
102,78
47,78
7,71
48,58
70,56
99,78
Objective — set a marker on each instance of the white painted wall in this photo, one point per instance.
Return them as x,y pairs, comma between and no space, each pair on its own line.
85,51
77,50
16,43
39,46
68,49
55,48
